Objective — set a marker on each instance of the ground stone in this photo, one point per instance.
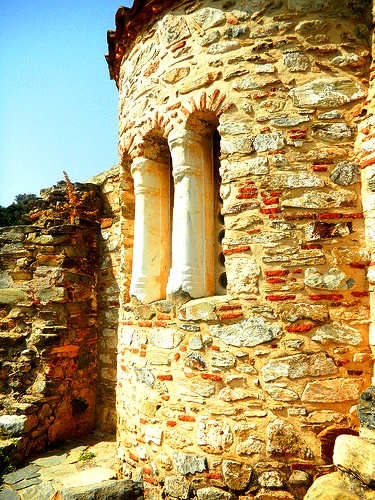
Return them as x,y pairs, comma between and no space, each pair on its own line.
115,490
237,475
326,93
7,494
50,460
247,333
299,365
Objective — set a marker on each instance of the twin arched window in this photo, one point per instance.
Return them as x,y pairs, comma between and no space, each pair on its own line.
178,225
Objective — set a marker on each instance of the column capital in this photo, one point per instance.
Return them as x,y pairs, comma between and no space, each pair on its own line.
185,136
143,164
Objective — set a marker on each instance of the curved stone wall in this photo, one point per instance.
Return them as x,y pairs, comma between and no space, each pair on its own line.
244,392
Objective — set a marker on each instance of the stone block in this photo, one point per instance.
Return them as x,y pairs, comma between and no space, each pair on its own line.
332,391
354,455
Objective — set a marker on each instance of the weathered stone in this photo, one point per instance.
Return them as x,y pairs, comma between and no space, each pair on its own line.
315,231
289,121
212,493
264,68
311,26
251,83
52,294
338,333
296,61
223,360
209,17
333,279
145,376
116,490
174,29
366,408
266,142
166,338
332,132
345,173
280,393
28,472
213,435
233,170
195,343
234,128
189,464
250,446
51,460
355,455
12,295
12,425
42,491
155,357
332,391
223,47
326,93
321,199
177,487
247,333
299,365
242,274
294,312
282,439
209,38
237,394
153,434
236,31
237,145
8,494
293,181
330,115
331,487
196,361
176,74
307,5
270,479
350,59
237,475
204,389
299,478
200,82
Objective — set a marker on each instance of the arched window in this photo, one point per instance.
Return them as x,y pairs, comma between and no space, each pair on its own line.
178,226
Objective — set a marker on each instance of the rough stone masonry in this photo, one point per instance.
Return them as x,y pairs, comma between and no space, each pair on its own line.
246,342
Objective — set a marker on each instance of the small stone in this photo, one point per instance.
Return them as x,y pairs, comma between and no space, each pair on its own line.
200,82
234,128
52,294
345,173
330,115
332,391
145,376
223,360
230,171
237,145
293,181
177,487
250,446
315,231
203,389
349,59
12,425
209,38
247,333
295,312
332,132
214,436
153,434
242,274
223,47
250,83
326,93
280,393
189,464
311,27
211,493
289,121
237,394
299,478
333,279
237,475
236,31
165,338
270,479
174,29
299,365
265,68
296,61
338,333
195,361
209,17
266,142
175,75
308,5
195,343
12,296
282,439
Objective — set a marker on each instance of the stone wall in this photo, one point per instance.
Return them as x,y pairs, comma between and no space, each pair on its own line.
48,334
246,392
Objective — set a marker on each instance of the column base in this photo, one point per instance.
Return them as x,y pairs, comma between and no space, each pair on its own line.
146,289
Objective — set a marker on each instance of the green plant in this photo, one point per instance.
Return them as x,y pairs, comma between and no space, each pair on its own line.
86,455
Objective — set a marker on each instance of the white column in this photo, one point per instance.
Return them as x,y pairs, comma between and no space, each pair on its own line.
151,250
193,243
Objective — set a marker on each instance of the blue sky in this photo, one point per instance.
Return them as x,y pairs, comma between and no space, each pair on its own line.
58,108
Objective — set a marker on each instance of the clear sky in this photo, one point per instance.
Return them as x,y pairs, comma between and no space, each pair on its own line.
58,107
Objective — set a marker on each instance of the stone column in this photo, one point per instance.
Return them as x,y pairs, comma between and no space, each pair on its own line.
151,250
192,268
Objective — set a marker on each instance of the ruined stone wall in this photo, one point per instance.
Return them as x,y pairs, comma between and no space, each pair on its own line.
247,391
48,332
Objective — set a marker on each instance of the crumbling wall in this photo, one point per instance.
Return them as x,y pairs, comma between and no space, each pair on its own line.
48,329
247,392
